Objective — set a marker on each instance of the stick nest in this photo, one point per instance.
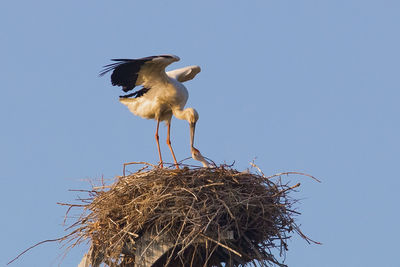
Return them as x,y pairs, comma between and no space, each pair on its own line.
212,215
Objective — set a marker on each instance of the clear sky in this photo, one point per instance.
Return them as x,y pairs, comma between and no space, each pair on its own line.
310,86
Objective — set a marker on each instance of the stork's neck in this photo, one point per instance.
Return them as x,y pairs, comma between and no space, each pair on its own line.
188,114
191,115
179,113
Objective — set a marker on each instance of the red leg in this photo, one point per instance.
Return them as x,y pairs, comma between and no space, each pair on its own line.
169,144
158,144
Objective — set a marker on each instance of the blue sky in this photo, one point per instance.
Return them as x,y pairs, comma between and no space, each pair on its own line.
309,86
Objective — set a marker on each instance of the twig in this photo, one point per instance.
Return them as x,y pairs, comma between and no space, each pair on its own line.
222,245
287,173
37,244
286,189
139,162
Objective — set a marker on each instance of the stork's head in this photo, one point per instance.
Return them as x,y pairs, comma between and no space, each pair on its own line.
198,156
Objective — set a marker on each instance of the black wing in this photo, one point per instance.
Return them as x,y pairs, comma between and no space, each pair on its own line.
126,71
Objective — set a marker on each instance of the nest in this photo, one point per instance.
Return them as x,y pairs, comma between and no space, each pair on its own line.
209,217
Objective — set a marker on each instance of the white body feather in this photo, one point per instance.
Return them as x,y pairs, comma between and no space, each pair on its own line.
166,94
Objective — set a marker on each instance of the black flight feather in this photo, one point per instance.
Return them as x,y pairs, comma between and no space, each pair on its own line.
125,71
136,94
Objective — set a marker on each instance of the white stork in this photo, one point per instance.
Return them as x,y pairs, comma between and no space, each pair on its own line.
161,96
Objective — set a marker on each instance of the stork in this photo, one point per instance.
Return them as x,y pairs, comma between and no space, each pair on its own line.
161,96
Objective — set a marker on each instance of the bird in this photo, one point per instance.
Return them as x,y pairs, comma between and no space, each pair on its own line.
161,96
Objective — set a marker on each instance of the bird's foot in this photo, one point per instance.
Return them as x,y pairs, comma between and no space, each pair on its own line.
161,165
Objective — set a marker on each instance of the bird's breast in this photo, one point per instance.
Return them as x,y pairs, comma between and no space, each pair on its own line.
159,101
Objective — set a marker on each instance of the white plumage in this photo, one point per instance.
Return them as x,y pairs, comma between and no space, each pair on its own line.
162,95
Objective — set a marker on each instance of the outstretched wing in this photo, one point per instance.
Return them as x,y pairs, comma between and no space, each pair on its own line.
184,74
146,71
